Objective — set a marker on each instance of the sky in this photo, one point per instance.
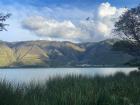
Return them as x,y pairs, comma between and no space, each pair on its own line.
62,20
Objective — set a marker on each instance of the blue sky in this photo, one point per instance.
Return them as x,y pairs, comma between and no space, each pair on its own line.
62,19
78,3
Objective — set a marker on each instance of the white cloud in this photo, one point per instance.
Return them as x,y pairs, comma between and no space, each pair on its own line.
103,23
58,16
105,10
103,28
52,28
107,15
68,25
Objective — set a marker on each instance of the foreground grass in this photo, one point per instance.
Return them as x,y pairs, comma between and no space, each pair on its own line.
75,90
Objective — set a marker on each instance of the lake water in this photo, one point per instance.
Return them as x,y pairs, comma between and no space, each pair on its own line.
39,74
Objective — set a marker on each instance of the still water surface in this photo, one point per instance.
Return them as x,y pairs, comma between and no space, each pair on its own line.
40,75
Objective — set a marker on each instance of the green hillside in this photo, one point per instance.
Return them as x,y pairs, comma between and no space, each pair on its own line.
61,54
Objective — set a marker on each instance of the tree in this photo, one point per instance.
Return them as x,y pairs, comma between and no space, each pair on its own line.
3,18
128,25
128,28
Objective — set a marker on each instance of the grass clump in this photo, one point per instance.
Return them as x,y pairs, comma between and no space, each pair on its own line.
119,89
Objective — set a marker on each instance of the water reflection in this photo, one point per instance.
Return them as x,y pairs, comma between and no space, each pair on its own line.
27,75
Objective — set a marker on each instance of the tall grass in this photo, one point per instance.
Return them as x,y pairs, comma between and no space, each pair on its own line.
119,89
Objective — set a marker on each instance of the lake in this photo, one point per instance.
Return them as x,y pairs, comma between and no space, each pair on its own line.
42,74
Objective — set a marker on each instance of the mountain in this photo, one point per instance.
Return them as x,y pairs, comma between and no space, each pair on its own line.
61,54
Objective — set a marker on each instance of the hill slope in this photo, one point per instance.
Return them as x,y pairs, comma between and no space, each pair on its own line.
60,54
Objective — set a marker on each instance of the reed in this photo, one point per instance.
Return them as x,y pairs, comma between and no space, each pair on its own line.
119,89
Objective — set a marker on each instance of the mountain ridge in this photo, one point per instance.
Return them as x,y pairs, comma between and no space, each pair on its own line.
42,53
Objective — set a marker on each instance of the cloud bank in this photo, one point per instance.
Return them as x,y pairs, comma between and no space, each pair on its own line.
95,28
52,28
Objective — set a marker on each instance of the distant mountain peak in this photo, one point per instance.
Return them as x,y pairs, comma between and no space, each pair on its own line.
42,53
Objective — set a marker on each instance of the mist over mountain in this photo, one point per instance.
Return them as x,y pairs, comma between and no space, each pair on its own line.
43,53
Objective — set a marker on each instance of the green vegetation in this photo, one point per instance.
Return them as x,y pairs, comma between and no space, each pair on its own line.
119,89
128,25
129,48
128,28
